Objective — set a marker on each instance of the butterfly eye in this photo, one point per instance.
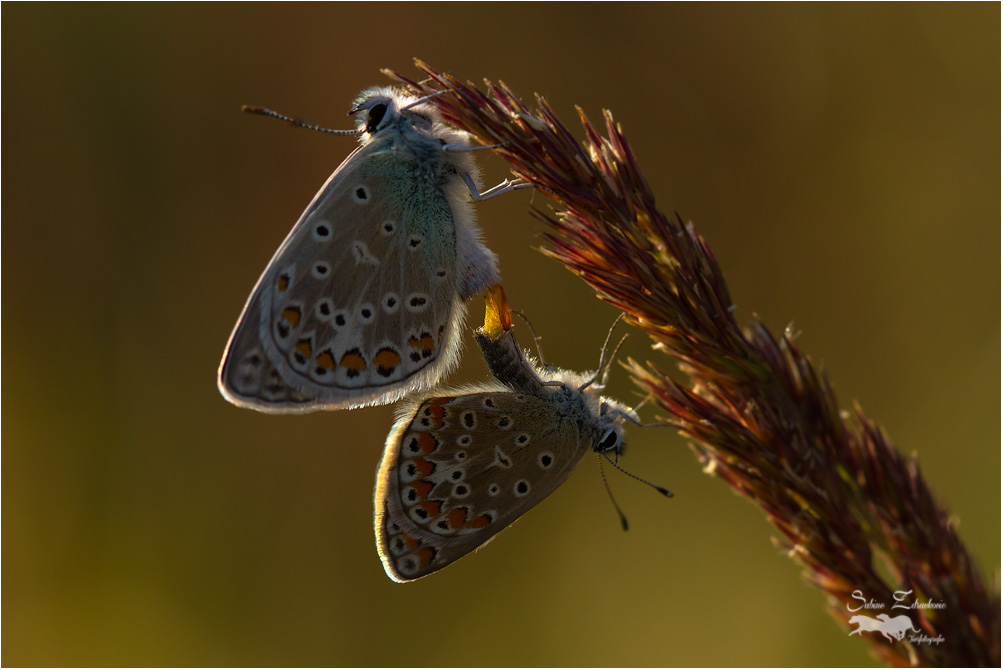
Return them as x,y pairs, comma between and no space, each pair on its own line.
609,440
376,114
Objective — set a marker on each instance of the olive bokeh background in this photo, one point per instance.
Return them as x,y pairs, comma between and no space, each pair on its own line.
842,162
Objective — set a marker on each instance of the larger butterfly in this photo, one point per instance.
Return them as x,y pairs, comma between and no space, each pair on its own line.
364,300
461,467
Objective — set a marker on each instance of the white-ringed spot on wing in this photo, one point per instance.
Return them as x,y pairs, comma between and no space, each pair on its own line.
321,231
414,243
488,403
521,488
391,302
460,456
504,422
545,459
441,274
398,546
464,440
387,360
469,420
366,314
340,318
320,270
461,491
407,566
324,309
493,490
416,302
457,475
360,194
522,440
362,254
388,228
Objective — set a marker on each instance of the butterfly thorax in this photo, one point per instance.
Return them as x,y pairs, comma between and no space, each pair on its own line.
575,401
389,121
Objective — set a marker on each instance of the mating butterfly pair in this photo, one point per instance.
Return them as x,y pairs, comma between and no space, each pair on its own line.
363,303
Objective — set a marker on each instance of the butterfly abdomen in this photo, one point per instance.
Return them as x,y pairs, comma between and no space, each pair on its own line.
507,363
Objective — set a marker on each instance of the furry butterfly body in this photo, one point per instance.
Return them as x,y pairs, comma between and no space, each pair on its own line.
461,467
363,301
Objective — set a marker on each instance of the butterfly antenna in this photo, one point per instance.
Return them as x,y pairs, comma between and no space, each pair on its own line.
612,358
536,338
424,99
623,518
602,356
299,123
661,489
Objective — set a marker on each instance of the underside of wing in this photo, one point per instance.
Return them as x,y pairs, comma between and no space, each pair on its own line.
360,305
462,468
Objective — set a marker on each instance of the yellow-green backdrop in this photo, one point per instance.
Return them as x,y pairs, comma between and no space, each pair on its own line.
842,162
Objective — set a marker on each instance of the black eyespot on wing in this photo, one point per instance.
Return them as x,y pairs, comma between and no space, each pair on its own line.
376,114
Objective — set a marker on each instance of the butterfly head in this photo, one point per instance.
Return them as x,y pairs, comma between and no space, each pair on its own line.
377,109
609,426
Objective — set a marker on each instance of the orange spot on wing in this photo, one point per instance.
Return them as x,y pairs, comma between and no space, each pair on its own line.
482,521
422,488
353,360
424,556
326,360
387,359
427,443
427,343
423,468
444,400
410,541
292,315
431,506
456,517
283,282
303,346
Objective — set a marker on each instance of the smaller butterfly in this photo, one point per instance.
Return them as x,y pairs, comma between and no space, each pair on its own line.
459,468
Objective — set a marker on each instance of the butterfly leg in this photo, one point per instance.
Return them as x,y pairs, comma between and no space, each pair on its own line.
504,187
456,146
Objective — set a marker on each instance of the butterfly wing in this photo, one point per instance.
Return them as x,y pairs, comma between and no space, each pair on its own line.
360,304
460,469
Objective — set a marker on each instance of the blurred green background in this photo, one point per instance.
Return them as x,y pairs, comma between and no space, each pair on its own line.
842,162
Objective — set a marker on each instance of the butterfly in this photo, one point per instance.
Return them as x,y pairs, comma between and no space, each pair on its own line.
462,466
364,300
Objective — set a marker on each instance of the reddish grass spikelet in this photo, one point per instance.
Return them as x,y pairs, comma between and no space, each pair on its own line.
762,416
